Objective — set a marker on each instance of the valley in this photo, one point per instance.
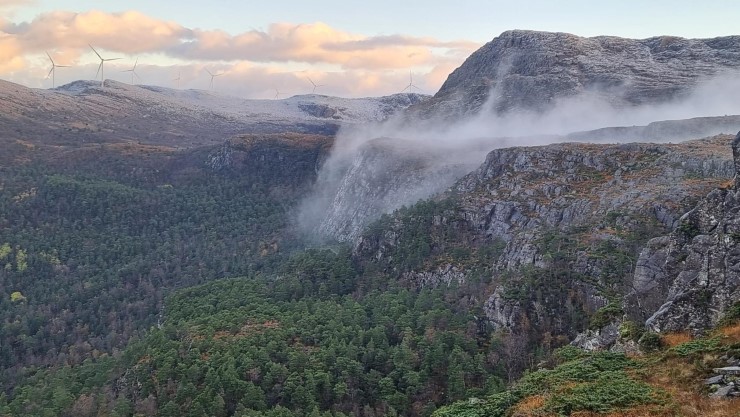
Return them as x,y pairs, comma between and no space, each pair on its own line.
184,253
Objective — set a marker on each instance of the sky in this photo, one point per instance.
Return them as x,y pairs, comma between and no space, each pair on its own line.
279,48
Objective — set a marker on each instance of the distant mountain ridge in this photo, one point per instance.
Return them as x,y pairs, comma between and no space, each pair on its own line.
529,70
84,111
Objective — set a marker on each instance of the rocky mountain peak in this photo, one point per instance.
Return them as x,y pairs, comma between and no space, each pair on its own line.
530,70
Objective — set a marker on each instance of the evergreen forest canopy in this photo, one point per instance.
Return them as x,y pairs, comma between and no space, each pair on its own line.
142,281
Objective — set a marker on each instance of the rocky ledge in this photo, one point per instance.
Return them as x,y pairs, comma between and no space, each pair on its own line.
688,279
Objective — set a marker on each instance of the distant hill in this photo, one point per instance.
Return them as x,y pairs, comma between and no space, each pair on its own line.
83,111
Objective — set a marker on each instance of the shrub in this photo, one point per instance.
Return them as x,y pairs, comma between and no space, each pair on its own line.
696,346
731,317
610,390
631,331
605,315
650,341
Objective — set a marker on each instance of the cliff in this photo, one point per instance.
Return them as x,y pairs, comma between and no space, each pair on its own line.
688,279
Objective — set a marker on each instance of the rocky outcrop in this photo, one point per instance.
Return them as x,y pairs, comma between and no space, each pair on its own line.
570,221
726,380
443,275
530,70
563,186
688,279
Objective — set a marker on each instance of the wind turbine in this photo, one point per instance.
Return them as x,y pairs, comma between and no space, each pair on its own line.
178,80
52,71
101,70
277,94
212,77
315,86
133,72
411,85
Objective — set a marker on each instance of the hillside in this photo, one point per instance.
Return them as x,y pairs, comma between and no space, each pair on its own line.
529,70
448,299
94,237
182,253
84,112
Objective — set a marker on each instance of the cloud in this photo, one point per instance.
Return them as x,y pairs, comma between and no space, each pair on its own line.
133,32
317,43
127,32
15,3
256,61
10,54
449,149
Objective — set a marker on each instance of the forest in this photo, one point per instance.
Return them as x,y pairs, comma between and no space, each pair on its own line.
163,284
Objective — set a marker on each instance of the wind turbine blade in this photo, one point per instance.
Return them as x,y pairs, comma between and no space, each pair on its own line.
50,71
111,59
136,62
137,75
99,67
209,72
96,52
62,66
52,61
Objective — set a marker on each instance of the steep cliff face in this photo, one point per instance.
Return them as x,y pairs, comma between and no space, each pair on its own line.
688,279
530,70
549,235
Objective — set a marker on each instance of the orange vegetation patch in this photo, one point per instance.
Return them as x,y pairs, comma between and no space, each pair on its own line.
529,404
682,382
731,332
675,339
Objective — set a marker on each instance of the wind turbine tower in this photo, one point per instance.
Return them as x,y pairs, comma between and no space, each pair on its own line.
178,80
52,71
411,85
212,77
101,69
315,86
133,72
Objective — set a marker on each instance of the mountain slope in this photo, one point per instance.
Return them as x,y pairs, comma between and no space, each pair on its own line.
83,112
542,241
527,87
529,70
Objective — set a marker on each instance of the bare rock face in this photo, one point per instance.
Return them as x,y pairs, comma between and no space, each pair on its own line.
529,70
688,279
567,208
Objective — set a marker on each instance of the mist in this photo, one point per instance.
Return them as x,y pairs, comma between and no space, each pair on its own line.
375,169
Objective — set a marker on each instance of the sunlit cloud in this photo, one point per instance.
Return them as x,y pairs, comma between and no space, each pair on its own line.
284,53
15,3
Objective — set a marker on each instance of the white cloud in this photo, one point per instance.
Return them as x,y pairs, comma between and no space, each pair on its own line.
256,60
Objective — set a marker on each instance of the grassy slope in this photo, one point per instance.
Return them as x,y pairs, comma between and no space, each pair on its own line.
667,382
